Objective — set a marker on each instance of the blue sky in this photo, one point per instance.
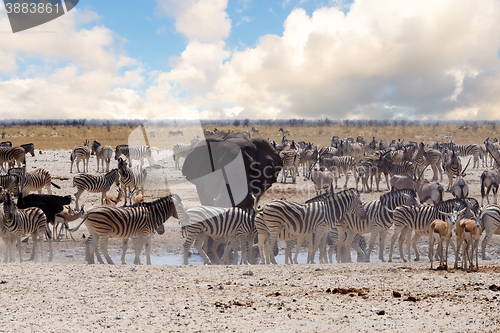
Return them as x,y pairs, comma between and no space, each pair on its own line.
382,59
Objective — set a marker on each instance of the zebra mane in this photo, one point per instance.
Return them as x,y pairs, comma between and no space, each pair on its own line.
398,193
152,204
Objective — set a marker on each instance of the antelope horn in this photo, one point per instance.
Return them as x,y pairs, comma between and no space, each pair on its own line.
463,172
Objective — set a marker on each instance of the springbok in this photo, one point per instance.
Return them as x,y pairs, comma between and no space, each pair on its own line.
440,231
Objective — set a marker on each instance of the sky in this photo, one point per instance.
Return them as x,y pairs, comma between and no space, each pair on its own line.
368,59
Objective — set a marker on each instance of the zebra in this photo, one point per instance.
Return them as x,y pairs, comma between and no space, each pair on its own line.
470,149
103,154
338,165
234,224
131,179
432,157
208,133
10,183
255,130
379,219
29,148
34,180
152,134
7,238
418,219
11,155
490,223
30,221
318,217
397,168
95,184
180,150
354,149
175,133
290,159
284,131
135,153
80,153
138,222
452,166
5,144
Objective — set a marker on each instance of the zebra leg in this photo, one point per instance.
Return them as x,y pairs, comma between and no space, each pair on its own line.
104,250
198,246
273,240
381,244
373,238
298,247
395,235
148,251
18,240
77,196
484,243
288,251
139,243
416,238
34,238
323,253
431,249
124,250
434,170
405,234
340,241
262,238
347,243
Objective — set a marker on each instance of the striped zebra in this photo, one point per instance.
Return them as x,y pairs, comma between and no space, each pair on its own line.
10,184
6,236
284,131
452,166
95,184
103,154
418,219
471,149
354,149
290,159
490,224
398,168
30,221
232,224
29,148
10,155
131,179
80,153
338,165
424,157
180,150
379,219
135,153
34,180
139,222
255,130
304,219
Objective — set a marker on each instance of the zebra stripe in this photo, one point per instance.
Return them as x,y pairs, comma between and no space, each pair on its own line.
180,150
290,159
131,179
103,154
379,219
490,223
453,167
338,165
34,180
30,221
318,215
234,224
424,158
470,149
418,219
138,222
80,153
10,184
10,155
134,153
29,148
95,184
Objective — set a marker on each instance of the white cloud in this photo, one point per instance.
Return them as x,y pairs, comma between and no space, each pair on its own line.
200,20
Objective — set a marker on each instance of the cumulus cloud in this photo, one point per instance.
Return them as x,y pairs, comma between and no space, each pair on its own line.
201,20
383,59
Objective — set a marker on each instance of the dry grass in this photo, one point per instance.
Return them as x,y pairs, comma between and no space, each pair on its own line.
66,137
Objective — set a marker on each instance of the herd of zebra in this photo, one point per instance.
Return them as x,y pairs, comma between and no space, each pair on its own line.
334,219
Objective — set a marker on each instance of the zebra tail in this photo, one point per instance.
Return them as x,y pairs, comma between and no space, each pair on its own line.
71,157
483,177
173,155
55,185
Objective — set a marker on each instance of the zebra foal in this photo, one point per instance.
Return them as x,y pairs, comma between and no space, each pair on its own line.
135,153
95,184
8,155
138,222
131,179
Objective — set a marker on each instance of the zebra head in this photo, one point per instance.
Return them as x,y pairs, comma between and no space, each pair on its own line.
95,146
179,212
355,205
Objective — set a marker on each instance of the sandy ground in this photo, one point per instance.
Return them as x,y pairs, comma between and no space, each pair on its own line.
69,295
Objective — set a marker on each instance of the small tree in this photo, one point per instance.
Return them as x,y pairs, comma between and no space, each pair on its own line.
236,122
246,122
